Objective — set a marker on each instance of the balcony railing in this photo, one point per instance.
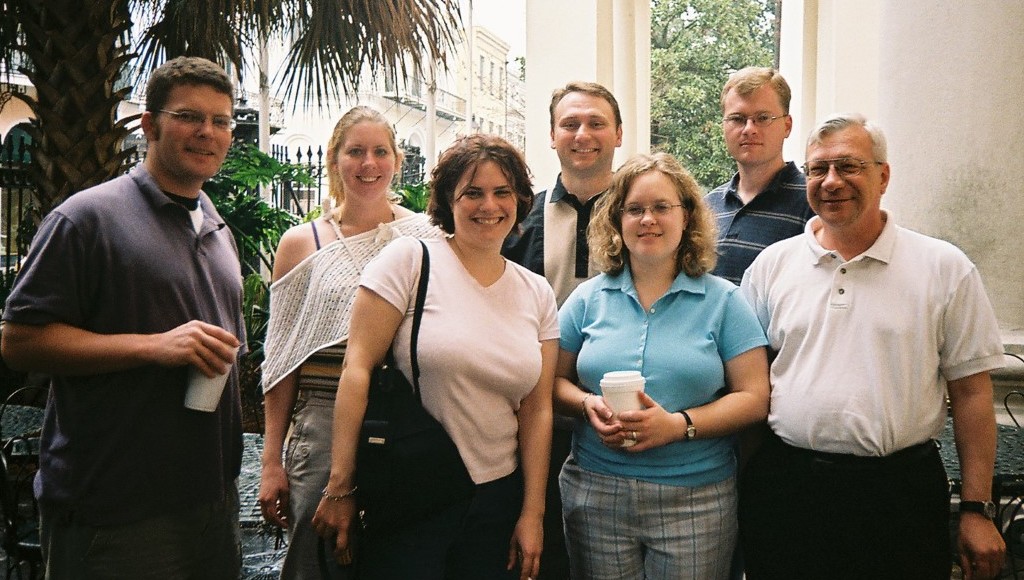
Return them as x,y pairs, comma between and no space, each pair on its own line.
413,94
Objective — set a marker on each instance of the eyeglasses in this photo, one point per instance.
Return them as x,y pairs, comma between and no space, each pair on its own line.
760,120
845,166
657,210
195,119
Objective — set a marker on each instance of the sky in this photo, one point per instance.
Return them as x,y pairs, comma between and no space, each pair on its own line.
505,18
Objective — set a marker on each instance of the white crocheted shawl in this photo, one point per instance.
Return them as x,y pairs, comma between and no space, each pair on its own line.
310,306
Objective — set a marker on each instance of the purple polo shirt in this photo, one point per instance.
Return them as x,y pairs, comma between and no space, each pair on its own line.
118,258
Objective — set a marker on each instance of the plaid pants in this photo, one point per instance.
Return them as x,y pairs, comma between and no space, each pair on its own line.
618,528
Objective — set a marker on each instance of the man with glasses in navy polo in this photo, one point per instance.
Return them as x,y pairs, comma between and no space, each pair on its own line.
128,285
873,325
765,200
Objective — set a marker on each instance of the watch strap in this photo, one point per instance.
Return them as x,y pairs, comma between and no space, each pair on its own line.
985,508
691,431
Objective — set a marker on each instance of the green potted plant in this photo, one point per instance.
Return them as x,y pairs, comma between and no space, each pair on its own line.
257,227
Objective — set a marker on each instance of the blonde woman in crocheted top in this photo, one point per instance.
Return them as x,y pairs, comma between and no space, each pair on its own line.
316,273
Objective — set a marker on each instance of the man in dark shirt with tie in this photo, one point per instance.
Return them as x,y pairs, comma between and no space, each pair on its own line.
586,128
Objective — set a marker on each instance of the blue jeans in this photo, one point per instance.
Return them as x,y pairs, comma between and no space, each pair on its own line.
619,528
467,541
199,543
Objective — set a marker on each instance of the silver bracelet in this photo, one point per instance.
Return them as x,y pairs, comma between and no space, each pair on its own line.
341,497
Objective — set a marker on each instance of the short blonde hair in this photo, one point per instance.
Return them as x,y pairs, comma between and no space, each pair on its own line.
696,254
749,79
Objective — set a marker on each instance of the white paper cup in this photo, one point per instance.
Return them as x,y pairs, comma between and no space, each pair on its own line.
203,393
621,391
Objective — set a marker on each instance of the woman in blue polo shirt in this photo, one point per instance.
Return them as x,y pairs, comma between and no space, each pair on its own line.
652,493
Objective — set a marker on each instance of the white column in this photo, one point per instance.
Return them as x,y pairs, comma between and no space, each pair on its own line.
950,82
943,79
430,141
471,68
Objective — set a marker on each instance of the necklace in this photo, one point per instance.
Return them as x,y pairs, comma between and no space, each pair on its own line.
335,221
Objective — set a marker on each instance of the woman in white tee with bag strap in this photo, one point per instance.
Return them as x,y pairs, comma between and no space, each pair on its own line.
486,350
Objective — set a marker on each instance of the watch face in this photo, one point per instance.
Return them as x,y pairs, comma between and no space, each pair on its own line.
990,510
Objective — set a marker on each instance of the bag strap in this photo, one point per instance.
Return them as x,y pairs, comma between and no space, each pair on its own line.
417,317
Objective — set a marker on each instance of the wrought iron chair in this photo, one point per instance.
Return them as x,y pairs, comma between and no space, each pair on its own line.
20,423
1013,393
1011,514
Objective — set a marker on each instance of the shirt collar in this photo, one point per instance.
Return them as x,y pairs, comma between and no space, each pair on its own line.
559,192
155,196
148,186
623,282
881,250
788,174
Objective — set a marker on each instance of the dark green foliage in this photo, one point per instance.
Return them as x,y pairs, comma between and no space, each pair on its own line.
695,45
257,227
415,196
256,224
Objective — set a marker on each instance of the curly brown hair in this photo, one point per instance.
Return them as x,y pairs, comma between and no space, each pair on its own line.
464,156
696,254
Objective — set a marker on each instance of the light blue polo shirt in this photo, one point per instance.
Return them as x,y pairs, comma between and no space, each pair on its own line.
679,346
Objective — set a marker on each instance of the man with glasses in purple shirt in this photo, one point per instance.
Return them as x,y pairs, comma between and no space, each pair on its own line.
127,287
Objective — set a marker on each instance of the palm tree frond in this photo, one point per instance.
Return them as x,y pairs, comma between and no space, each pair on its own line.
332,40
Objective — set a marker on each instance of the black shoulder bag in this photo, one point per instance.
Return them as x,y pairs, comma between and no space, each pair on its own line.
407,467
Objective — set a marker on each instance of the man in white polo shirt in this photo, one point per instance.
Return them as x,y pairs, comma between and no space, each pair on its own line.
872,325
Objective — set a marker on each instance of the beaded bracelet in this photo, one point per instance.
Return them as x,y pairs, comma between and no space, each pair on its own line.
341,497
583,404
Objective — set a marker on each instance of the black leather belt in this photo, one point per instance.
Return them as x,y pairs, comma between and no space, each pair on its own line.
907,456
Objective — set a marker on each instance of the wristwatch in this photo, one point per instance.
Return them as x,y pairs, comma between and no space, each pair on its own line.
691,431
985,508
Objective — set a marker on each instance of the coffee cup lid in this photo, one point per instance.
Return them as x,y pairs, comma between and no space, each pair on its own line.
612,378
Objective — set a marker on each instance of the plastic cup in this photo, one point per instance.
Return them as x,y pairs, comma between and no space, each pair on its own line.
621,391
203,393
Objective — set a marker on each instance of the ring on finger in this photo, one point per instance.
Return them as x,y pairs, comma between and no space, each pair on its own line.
632,435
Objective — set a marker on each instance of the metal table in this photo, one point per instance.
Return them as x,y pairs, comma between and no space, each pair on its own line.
1007,483
1008,477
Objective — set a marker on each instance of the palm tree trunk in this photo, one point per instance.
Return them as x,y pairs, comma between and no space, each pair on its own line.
77,55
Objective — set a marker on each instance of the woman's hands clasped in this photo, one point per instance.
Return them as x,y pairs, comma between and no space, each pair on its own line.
633,431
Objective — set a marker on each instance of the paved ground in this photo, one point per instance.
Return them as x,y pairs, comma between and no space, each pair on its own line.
263,546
